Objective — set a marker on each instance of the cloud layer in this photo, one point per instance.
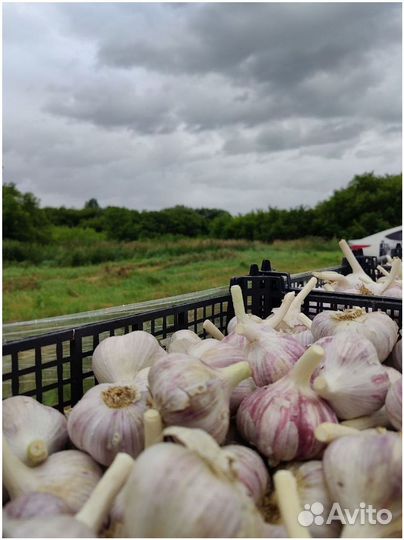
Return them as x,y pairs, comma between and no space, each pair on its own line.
238,106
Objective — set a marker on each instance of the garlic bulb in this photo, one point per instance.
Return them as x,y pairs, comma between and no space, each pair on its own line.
70,475
177,491
88,521
120,358
109,419
182,340
251,470
351,378
376,326
244,389
393,374
364,469
188,393
33,430
312,488
270,355
205,346
35,504
280,419
394,404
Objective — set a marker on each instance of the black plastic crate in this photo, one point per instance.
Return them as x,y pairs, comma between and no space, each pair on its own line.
55,368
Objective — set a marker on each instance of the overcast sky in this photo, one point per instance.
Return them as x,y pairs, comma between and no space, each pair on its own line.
236,106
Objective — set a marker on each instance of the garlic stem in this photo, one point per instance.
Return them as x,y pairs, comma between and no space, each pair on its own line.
37,452
281,312
350,257
328,288
382,270
320,384
236,373
249,331
302,371
377,419
17,477
213,330
304,319
238,302
153,427
327,432
98,504
289,504
395,270
297,303
329,275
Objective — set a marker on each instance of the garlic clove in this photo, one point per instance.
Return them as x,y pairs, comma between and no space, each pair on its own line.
351,378
69,474
33,430
109,419
251,470
394,404
120,358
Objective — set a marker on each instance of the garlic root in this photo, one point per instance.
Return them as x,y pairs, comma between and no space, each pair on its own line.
289,504
37,452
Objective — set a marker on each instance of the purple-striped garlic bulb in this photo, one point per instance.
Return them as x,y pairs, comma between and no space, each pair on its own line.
109,419
351,378
35,504
188,488
118,359
244,389
33,430
376,326
182,340
88,521
280,419
312,488
251,470
271,355
189,393
365,468
69,474
394,403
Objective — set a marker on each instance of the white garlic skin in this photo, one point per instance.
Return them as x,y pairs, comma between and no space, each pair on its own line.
397,355
191,394
35,504
26,420
182,340
365,468
394,404
243,390
173,493
236,340
272,356
61,526
392,373
109,419
312,488
120,358
356,382
280,421
231,326
251,470
305,337
376,326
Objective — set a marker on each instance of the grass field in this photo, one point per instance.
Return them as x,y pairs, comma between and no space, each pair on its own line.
156,269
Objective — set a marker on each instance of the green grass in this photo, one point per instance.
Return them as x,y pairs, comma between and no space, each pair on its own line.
151,270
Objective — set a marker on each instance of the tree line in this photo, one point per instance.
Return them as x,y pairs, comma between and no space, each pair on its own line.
368,204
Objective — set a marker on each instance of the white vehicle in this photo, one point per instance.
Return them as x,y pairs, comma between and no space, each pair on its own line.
388,242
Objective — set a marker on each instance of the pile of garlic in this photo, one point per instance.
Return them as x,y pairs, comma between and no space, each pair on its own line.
184,442
358,282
